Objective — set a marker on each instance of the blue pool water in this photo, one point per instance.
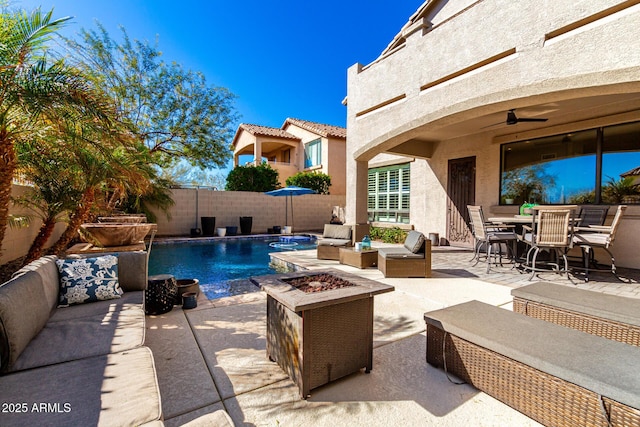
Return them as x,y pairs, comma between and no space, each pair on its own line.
216,263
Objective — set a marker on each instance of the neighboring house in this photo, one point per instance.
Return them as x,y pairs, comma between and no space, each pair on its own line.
435,123
299,145
633,173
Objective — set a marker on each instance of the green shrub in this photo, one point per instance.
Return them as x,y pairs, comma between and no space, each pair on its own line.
317,181
388,235
259,178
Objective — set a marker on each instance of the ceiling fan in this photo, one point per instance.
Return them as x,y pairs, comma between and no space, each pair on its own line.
512,119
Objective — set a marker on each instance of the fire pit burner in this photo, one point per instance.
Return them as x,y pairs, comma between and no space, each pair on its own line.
318,283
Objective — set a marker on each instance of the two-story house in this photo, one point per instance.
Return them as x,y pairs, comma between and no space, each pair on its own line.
299,145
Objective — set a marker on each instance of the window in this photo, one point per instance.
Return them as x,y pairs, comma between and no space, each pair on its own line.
388,195
313,153
591,166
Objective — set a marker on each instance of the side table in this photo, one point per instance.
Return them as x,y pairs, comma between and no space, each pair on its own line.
160,294
361,259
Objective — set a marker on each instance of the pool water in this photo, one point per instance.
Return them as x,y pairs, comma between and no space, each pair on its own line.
217,263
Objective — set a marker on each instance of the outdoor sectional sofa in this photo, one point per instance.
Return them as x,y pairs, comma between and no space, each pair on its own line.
556,375
84,364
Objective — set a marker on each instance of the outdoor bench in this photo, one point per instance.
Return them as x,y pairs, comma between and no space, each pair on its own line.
555,375
609,316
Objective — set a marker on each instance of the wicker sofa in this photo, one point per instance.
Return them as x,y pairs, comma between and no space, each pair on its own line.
609,316
555,375
412,259
334,237
83,364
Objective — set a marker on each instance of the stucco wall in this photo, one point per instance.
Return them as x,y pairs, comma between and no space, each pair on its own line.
398,99
310,212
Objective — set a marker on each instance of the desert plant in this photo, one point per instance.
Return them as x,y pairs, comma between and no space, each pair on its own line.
617,191
388,234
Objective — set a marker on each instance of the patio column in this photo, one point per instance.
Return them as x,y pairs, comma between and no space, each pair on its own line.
357,176
257,152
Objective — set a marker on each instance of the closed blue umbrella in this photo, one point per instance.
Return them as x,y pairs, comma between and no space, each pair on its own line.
289,191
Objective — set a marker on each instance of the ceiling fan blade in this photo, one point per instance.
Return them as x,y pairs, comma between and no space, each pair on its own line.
532,119
495,124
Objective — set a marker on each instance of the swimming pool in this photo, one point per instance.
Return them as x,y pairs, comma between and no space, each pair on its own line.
217,263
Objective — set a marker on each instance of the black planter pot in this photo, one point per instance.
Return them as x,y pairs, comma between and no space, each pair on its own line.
184,286
189,300
196,232
232,230
245,224
208,225
277,229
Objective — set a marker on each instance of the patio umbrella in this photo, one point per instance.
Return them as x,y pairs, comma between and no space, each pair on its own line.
289,192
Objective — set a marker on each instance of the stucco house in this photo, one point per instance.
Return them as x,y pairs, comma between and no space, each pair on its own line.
481,101
299,145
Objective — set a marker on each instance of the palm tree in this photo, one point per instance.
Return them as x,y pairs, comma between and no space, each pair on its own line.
35,88
52,194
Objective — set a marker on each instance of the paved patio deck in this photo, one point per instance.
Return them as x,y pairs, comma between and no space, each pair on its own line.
214,357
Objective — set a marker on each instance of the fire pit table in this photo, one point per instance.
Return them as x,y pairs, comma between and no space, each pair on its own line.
320,324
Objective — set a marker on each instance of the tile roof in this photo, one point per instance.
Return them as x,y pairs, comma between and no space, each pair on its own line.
258,130
328,131
632,172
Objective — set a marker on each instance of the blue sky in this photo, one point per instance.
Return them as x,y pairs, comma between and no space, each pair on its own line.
282,59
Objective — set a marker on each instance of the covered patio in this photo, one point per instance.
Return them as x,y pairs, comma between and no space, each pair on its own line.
497,104
214,357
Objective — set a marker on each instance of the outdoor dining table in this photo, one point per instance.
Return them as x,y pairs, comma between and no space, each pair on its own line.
515,219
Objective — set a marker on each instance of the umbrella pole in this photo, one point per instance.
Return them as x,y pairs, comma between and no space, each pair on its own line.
292,214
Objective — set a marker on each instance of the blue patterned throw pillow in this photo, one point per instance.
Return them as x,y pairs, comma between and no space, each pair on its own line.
88,280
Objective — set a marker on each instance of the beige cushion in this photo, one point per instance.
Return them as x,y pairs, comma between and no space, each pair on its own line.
128,301
24,311
107,331
118,389
399,253
334,242
335,231
414,241
215,419
46,268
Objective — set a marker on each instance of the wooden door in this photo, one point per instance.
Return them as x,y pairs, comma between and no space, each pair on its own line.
461,191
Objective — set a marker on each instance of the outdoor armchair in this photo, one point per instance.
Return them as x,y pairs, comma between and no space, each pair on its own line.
333,238
413,259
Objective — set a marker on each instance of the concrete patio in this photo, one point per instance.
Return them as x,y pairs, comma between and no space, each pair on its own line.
214,357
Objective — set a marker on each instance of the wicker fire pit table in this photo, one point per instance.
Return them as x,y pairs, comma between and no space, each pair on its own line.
320,324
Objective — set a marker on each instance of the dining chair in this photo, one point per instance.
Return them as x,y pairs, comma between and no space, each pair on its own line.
551,231
488,234
597,236
592,215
